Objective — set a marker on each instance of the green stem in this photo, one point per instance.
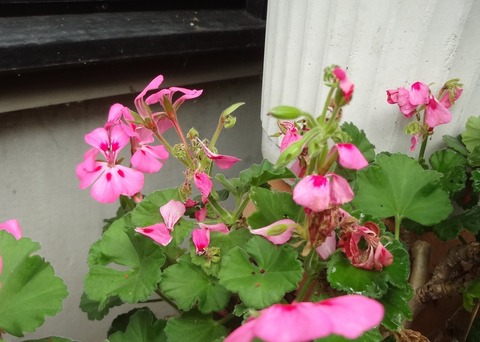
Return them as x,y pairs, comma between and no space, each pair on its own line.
305,287
421,154
398,221
323,117
225,216
225,319
216,134
176,124
172,304
241,207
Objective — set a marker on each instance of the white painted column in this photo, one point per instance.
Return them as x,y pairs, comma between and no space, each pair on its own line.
383,45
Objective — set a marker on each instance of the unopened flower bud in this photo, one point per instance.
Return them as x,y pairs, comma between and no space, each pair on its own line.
229,121
192,134
285,112
413,128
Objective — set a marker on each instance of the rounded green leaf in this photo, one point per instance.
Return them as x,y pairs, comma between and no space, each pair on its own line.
200,289
129,265
142,326
261,273
471,136
396,185
29,289
342,275
193,327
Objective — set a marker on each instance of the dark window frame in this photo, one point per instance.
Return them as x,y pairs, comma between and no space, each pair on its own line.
59,34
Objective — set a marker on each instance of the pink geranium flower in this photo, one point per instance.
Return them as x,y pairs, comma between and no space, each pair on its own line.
362,246
201,237
350,157
108,178
147,158
13,227
436,113
319,193
140,104
169,93
348,316
345,85
278,232
291,135
171,213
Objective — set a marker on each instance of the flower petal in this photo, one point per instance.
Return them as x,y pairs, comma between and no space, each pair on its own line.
313,192
218,227
419,94
201,240
172,212
203,183
352,315
278,232
222,161
340,191
350,157
13,227
436,113
157,232
328,246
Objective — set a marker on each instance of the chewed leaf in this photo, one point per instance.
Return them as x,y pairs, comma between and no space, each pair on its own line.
29,289
396,185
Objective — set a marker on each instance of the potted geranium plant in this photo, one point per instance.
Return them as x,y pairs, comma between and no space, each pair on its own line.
328,260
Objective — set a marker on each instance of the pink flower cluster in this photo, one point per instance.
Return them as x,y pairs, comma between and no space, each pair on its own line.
101,166
419,98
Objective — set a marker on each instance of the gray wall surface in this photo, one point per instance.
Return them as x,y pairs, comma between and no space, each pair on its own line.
39,150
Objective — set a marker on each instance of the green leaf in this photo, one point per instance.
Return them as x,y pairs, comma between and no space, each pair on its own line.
194,327
455,143
255,175
360,140
342,275
474,157
471,295
398,272
147,213
261,273
200,289
452,165
453,226
143,326
272,206
29,289
136,262
369,336
476,180
396,185
92,308
395,303
471,135
223,243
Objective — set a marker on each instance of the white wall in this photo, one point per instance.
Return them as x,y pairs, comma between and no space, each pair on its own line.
39,149
383,45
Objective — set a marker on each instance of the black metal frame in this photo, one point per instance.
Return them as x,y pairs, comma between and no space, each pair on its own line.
55,34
